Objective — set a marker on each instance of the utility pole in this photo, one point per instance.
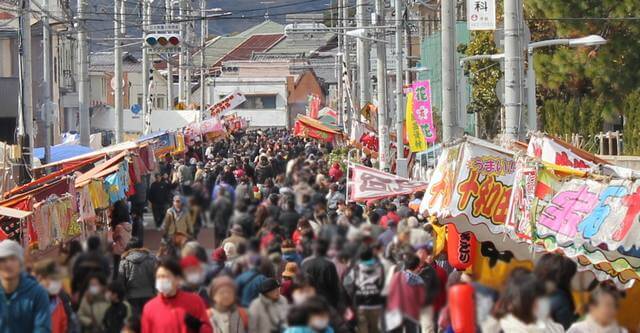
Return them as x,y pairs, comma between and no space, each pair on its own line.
512,68
338,62
46,84
118,25
400,160
168,18
450,127
27,83
363,55
381,67
146,107
203,66
345,66
181,56
83,76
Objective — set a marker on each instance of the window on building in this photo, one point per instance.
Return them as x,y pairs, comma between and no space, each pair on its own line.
259,102
158,101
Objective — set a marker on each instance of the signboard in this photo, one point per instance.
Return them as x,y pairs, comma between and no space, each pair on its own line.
230,102
422,113
415,134
481,14
136,108
368,183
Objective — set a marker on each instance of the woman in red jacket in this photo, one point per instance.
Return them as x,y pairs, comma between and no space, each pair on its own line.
173,310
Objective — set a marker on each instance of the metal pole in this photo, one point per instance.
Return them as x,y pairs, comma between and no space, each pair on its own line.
27,92
168,17
450,128
339,69
203,66
531,93
146,120
83,76
46,81
345,65
181,58
117,76
381,73
399,94
363,55
512,67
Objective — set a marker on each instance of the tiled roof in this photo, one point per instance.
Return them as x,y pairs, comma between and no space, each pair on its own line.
255,43
221,46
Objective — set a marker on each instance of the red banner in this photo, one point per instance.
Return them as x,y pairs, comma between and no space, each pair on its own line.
367,183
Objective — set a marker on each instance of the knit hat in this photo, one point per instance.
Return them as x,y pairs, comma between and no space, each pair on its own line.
189,261
269,285
219,255
220,282
290,270
10,248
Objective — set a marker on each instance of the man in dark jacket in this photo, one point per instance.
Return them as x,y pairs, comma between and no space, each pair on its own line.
221,211
137,273
92,262
364,284
264,170
24,304
289,218
322,273
159,197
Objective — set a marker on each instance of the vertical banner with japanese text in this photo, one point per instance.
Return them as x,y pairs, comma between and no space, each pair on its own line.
481,14
417,142
422,112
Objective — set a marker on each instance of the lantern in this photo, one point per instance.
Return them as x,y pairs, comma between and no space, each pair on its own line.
461,247
462,309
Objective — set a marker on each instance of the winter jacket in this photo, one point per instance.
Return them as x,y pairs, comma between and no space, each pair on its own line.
137,272
289,221
238,320
176,221
91,313
324,277
89,263
121,237
249,284
263,171
26,309
168,314
115,317
406,297
159,193
221,211
562,308
267,316
364,284
512,324
306,329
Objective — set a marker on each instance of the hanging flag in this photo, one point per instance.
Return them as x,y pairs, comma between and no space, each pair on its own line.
417,141
229,102
313,108
367,183
422,113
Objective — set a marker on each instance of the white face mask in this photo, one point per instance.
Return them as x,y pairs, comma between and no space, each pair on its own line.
319,323
164,286
543,308
94,289
194,278
54,287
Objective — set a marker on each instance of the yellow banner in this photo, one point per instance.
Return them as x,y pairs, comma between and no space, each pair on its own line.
415,135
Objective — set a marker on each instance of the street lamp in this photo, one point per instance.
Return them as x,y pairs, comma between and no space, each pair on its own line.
591,40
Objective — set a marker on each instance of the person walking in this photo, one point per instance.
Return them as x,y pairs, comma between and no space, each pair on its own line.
159,196
602,310
174,310
406,297
226,316
177,220
24,304
136,271
93,306
267,313
364,284
50,276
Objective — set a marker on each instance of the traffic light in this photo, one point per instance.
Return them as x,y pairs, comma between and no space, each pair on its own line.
162,40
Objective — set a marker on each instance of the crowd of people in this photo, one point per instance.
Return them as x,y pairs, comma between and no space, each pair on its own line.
291,255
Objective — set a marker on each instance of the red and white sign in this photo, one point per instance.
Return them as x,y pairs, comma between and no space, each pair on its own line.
367,183
230,102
